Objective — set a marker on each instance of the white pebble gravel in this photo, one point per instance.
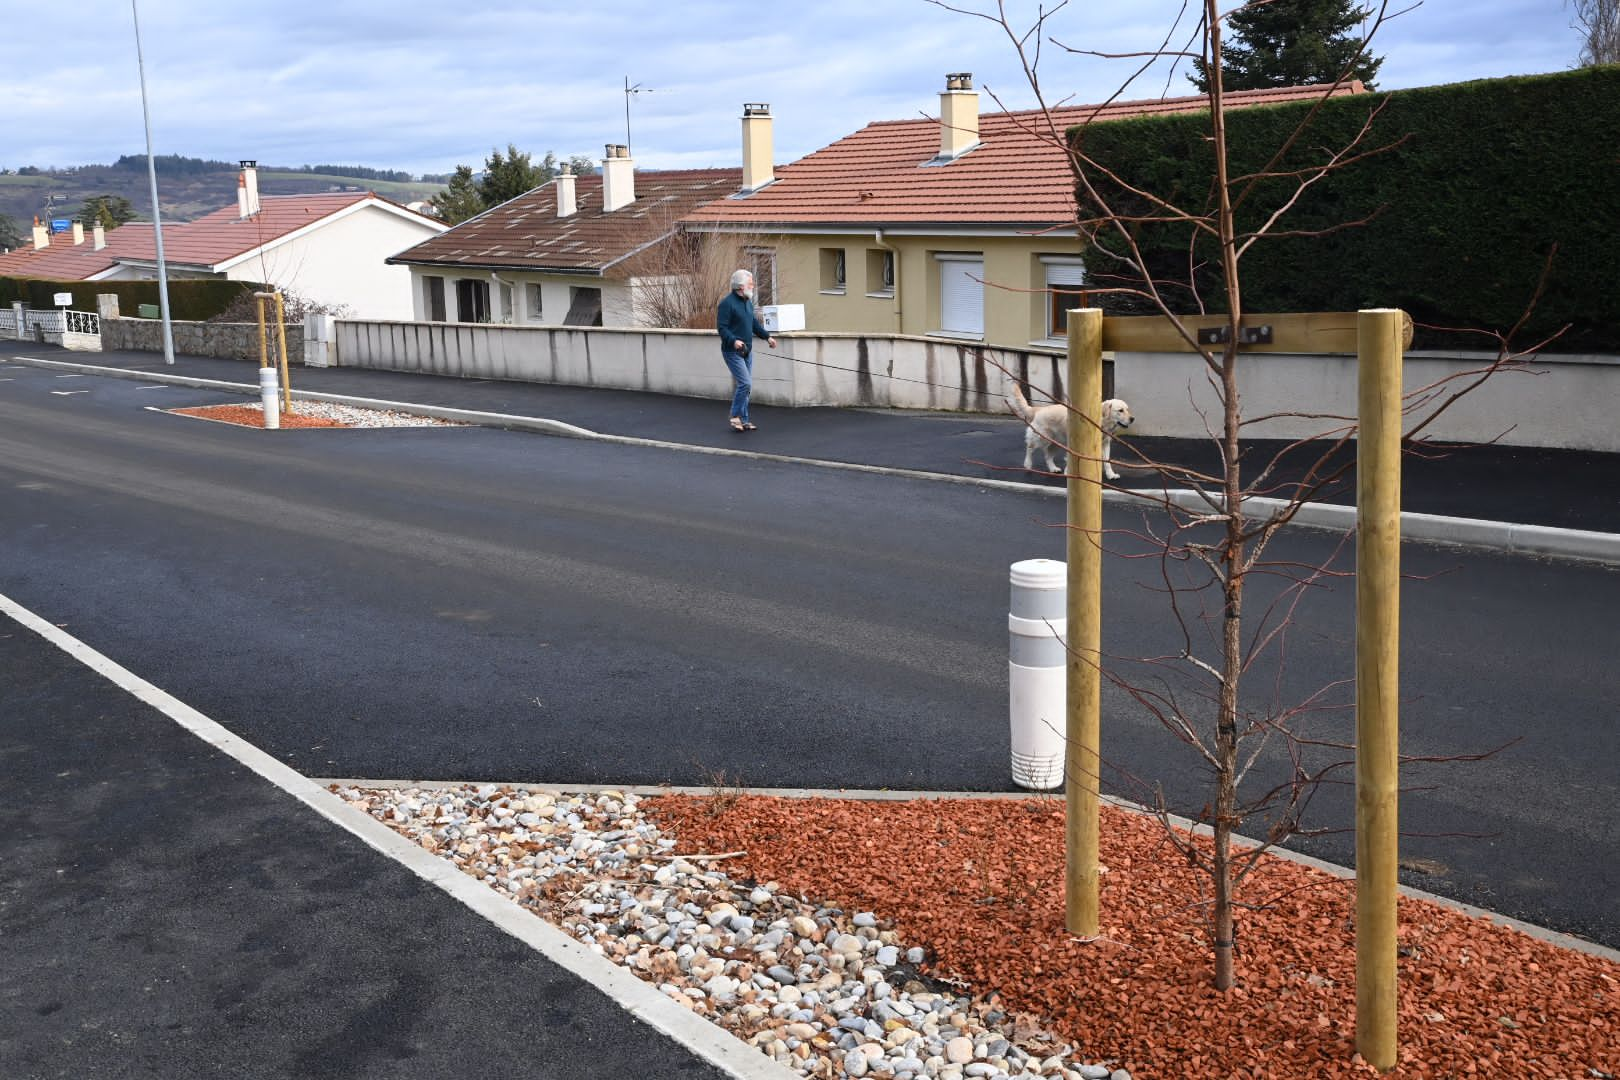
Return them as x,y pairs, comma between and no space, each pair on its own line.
355,416
816,988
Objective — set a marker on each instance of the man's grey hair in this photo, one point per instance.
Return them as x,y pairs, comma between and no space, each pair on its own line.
740,278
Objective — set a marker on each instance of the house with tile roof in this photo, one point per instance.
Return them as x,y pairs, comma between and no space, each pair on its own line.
331,248
566,253
960,227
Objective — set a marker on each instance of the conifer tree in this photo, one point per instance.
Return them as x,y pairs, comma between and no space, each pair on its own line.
1292,43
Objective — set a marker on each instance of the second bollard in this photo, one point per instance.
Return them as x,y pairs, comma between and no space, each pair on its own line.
1036,670
268,391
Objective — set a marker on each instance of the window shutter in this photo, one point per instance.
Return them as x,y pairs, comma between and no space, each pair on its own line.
961,296
1065,274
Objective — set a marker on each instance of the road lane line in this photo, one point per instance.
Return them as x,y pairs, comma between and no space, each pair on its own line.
641,1000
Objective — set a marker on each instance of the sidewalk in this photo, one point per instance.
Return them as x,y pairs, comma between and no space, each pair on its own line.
1566,489
167,912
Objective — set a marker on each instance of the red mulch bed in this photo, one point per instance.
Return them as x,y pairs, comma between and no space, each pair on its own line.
979,884
253,416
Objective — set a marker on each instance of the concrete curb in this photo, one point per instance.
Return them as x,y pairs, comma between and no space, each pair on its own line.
1564,941
641,1000
1501,536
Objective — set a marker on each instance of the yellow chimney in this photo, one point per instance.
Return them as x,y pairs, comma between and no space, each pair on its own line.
42,238
78,233
958,115
757,150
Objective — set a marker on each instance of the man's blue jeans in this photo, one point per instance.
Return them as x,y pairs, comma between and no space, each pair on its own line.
742,373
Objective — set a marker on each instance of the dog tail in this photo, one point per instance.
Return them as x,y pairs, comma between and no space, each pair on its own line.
1018,405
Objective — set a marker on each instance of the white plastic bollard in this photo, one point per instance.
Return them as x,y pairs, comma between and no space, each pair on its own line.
269,391
1037,661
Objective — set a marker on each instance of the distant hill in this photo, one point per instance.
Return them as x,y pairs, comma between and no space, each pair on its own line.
188,187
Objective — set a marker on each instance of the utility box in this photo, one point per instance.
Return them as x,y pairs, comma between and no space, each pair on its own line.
147,311
780,317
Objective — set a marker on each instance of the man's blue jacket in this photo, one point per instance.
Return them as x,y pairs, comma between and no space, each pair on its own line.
736,321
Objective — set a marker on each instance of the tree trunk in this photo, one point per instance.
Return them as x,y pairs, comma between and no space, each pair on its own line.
1231,554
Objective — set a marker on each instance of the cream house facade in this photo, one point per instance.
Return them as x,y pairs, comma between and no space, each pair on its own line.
960,228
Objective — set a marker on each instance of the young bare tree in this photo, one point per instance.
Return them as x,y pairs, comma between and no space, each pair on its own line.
1210,553
677,279
1599,24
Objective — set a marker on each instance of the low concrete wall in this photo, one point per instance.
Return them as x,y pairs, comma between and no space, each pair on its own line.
230,341
805,369
1552,401
1555,401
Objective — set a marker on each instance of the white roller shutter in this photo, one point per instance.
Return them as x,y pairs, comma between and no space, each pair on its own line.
961,296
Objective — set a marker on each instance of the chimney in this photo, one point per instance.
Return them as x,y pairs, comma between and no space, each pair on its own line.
98,237
757,151
247,189
958,116
42,239
566,204
618,178
78,233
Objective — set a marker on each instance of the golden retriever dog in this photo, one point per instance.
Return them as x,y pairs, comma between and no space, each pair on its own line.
1048,427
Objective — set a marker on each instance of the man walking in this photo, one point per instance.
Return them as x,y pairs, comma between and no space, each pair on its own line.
738,326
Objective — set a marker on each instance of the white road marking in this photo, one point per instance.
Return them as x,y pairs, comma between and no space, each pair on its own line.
641,1000
68,376
156,386
68,393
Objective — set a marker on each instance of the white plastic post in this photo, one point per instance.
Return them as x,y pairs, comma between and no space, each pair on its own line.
269,390
1037,628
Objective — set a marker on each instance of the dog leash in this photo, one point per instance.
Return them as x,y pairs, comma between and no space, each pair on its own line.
883,375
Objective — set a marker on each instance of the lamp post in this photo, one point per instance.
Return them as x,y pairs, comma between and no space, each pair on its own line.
157,215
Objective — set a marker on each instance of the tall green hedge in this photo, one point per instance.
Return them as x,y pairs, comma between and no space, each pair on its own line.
190,299
1492,174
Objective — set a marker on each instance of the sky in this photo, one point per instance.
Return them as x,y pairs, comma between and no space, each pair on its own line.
424,87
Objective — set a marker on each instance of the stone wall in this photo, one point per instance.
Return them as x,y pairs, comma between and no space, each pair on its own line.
230,341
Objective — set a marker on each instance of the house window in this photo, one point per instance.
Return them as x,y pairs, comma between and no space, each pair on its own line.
433,298
961,294
472,300
532,297
504,295
584,307
1064,282
879,272
761,262
832,270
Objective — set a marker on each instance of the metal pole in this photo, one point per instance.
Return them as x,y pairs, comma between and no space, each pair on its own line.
1083,757
157,215
627,116
1378,583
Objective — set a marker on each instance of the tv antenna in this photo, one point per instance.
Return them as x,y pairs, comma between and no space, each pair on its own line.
628,91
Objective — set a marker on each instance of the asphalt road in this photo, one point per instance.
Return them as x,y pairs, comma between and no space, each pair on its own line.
165,912
477,604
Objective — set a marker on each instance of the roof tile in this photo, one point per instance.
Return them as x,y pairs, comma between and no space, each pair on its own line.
879,175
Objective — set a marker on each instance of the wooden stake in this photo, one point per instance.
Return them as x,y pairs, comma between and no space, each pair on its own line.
281,338
1083,759
1378,582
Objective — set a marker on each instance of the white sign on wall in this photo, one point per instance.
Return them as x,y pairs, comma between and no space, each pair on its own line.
64,299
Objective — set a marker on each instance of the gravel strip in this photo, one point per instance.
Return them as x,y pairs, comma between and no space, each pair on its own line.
827,992
354,416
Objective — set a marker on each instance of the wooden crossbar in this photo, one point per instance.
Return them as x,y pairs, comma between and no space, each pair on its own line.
1313,332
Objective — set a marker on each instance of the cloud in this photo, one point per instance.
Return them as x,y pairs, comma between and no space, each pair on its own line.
424,86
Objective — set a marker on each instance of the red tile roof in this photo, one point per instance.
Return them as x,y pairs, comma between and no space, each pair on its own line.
209,241
1014,177
526,233
62,260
